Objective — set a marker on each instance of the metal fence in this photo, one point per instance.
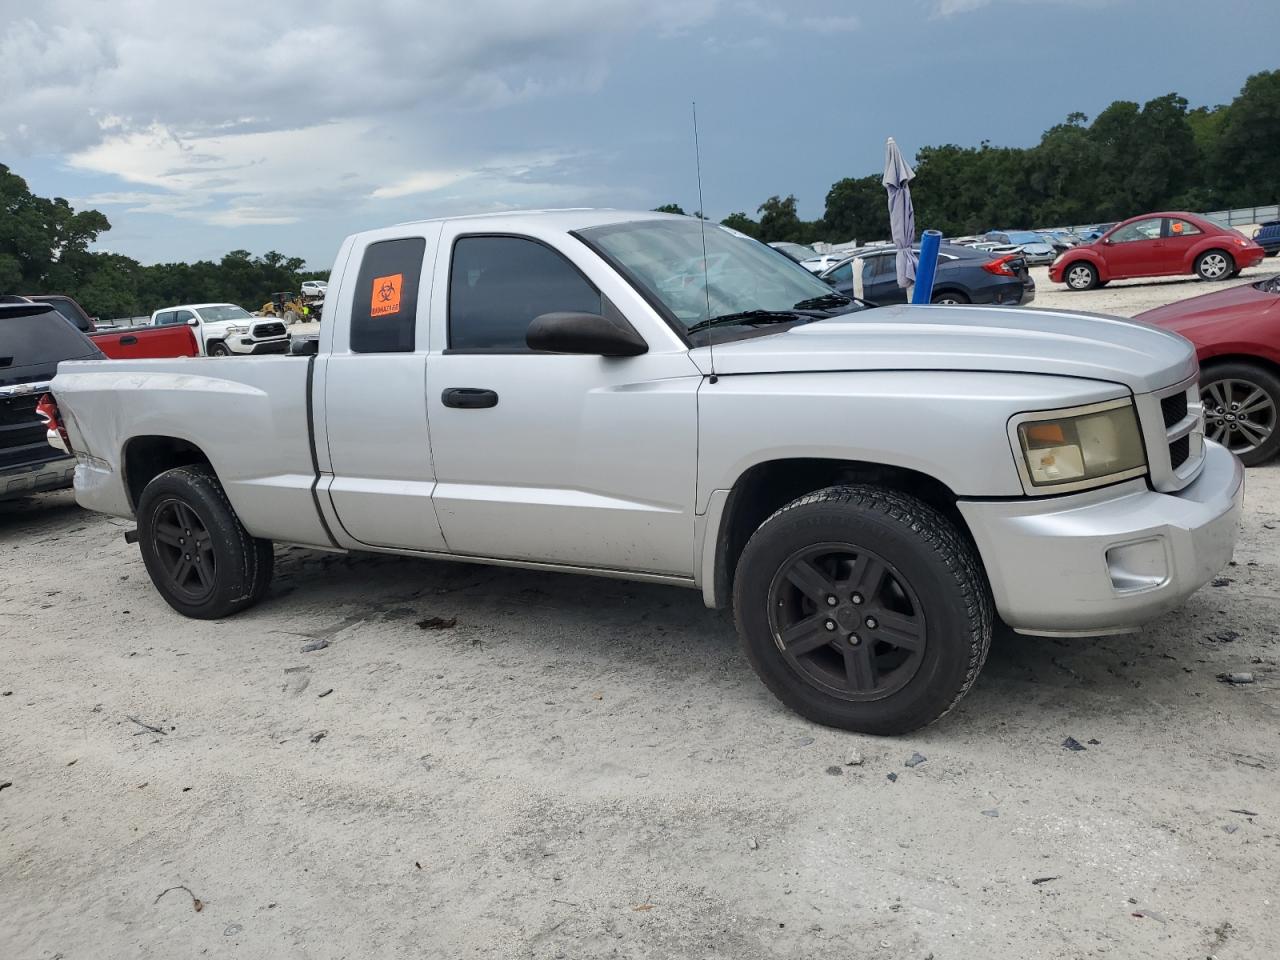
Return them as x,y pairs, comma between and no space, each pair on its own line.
1245,215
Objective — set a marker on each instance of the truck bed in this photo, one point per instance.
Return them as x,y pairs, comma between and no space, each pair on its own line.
249,416
146,342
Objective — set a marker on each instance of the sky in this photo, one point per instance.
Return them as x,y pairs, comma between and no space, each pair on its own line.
202,127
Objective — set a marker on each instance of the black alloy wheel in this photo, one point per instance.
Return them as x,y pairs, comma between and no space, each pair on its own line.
184,549
848,621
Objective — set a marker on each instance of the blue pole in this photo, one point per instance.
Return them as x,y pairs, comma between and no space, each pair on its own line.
930,240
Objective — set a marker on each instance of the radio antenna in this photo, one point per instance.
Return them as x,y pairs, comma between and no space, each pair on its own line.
702,220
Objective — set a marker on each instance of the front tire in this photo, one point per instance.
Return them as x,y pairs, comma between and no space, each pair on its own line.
1215,265
1080,276
219,349
863,609
1242,410
198,554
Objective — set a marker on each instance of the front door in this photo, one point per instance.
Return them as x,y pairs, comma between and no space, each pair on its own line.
1133,250
371,388
587,461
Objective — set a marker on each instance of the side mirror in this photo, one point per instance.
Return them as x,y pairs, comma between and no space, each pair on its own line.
584,333
304,346
193,322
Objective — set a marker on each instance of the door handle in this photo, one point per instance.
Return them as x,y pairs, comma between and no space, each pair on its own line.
128,341
469,398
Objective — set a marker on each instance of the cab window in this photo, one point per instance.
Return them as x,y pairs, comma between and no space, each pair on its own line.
384,313
497,285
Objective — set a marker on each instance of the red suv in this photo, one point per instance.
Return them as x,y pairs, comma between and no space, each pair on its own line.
1157,245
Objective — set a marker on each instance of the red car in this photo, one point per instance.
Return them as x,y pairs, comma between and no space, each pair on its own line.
124,343
1236,333
1157,245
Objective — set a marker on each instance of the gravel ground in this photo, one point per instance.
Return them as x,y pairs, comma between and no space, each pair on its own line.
1126,298
588,768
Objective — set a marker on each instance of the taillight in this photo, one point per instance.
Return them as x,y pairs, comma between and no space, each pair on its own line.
1000,266
55,430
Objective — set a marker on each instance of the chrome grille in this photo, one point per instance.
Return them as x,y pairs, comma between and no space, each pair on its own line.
22,433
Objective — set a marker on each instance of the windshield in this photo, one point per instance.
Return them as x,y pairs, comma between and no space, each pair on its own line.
737,276
225,311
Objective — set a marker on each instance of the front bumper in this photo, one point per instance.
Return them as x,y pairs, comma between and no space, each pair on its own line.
33,478
251,347
1109,560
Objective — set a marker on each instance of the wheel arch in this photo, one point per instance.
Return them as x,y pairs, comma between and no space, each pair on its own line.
769,485
146,457
1092,259
1216,360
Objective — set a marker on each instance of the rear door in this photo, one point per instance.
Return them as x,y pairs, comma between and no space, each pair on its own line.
370,388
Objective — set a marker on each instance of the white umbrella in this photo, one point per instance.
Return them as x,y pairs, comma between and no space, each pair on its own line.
902,216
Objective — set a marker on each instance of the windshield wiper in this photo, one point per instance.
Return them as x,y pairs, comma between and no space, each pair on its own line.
748,317
824,302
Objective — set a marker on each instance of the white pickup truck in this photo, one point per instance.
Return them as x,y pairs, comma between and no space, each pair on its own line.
574,391
223,329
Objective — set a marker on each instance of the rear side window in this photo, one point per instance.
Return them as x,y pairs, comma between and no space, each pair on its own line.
1182,228
69,309
385,310
497,285
164,318
39,335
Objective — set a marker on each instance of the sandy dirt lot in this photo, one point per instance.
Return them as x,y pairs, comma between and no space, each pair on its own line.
588,768
1126,298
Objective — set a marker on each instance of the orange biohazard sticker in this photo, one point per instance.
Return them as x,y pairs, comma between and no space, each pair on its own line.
1177,226
386,295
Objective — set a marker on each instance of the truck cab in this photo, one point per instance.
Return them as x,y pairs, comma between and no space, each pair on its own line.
224,329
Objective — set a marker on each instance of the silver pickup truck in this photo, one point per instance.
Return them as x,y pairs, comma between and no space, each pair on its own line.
649,397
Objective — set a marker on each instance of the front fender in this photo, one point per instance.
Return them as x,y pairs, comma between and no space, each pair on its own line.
948,425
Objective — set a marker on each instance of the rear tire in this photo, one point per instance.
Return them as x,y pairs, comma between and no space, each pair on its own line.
198,554
950,297
1215,265
910,626
1242,410
291,317
1080,275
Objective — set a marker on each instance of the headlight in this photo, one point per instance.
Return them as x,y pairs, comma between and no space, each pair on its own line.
237,328
1063,450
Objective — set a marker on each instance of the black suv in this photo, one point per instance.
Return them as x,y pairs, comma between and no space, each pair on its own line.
34,337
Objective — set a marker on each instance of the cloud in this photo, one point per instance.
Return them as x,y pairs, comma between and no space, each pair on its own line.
251,113
950,8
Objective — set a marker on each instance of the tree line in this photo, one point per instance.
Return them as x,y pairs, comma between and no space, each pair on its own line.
1131,159
44,248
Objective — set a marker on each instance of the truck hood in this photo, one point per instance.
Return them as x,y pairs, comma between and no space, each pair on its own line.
1006,340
